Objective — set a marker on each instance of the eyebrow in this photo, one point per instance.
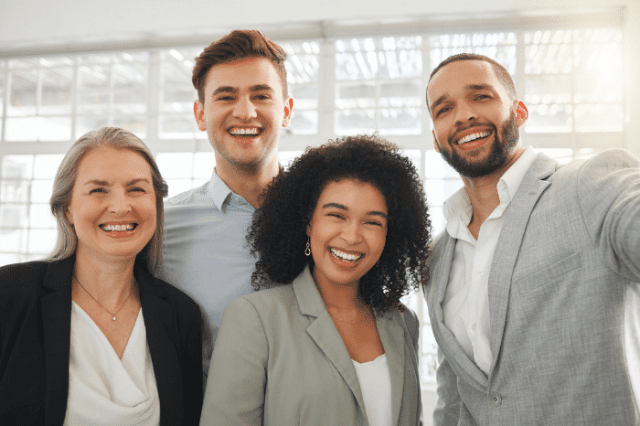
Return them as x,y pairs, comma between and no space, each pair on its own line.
468,87
231,89
105,183
342,207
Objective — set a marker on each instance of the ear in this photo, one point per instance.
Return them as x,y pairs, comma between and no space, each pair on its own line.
288,109
435,142
198,113
309,229
522,113
69,216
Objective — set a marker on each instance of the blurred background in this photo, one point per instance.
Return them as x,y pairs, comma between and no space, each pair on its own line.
71,66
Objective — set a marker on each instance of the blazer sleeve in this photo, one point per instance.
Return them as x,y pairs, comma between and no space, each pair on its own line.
608,191
447,411
238,372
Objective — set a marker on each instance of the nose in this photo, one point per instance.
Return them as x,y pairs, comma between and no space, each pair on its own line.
244,109
120,202
465,113
352,232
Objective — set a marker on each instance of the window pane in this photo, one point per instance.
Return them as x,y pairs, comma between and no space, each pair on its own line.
56,91
41,241
355,121
41,190
23,92
38,129
175,165
40,217
303,123
556,118
46,166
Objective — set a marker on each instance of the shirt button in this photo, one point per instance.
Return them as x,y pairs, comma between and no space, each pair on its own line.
473,327
495,399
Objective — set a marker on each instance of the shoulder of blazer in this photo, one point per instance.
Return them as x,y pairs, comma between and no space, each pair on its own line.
22,282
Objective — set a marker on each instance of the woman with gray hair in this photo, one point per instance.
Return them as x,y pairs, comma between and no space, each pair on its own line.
89,336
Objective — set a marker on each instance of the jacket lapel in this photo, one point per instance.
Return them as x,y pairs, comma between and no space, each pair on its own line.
392,337
56,324
442,253
516,218
323,331
158,317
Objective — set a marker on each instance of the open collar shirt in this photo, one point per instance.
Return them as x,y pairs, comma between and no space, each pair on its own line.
466,303
205,252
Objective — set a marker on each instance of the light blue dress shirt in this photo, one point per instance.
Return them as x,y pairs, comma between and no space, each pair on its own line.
205,251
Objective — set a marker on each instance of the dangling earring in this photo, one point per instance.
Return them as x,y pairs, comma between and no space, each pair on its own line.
307,250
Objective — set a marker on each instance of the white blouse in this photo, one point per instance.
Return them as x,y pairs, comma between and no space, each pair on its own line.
375,384
104,389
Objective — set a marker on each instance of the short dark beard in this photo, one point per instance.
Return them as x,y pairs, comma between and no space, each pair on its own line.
502,146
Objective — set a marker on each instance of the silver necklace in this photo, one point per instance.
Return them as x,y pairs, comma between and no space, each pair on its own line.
113,316
342,320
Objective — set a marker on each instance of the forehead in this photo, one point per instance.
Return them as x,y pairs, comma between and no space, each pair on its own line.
458,76
242,74
354,194
112,161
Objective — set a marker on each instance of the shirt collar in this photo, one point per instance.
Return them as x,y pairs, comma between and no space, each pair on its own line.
458,206
220,192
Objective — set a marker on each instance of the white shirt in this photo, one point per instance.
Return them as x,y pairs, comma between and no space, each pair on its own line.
466,303
104,389
375,384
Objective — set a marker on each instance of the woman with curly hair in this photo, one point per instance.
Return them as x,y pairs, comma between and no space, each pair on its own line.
340,238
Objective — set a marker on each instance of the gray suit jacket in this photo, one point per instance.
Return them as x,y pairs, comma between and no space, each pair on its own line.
568,251
279,360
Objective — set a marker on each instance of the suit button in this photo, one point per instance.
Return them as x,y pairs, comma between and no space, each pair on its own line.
495,399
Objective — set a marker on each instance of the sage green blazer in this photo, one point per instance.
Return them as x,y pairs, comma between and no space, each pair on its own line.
279,360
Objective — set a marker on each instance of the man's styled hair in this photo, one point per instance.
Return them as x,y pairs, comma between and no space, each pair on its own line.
239,44
499,70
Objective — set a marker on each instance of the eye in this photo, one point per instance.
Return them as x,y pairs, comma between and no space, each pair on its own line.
137,189
481,97
226,98
97,190
374,223
336,215
442,111
261,97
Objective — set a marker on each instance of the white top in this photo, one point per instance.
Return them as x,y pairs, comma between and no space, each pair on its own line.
104,389
375,384
466,303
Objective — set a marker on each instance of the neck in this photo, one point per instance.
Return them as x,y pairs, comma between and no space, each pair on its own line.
342,297
483,192
248,182
107,279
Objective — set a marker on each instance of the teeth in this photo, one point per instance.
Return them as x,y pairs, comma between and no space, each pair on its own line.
473,137
111,228
243,131
345,256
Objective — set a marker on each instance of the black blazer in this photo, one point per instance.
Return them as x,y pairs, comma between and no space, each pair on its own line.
35,323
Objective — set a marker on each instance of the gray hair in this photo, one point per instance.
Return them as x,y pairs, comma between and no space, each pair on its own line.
112,137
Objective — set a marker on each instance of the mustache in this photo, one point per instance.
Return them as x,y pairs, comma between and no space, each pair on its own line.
455,136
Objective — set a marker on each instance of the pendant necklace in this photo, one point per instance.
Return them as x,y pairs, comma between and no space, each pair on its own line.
113,316
348,322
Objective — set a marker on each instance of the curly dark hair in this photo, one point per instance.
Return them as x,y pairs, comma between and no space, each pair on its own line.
278,236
